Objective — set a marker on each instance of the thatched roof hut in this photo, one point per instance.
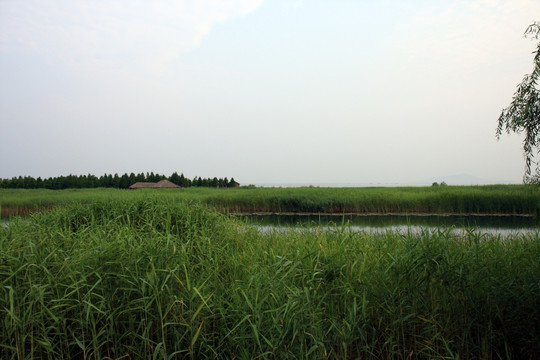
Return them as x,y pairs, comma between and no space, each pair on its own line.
162,184
166,184
142,185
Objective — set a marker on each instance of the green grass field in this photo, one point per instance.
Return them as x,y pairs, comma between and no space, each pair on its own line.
138,277
496,199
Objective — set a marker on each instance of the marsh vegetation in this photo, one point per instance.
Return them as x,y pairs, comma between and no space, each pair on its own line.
158,278
458,200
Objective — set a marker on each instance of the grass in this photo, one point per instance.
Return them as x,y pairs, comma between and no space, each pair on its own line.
149,278
493,199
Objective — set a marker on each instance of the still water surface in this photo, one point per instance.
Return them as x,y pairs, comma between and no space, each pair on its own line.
503,225
496,225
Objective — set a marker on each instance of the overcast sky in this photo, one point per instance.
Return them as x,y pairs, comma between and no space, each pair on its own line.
265,91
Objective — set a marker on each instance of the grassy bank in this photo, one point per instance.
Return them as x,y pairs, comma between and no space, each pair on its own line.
497,199
159,278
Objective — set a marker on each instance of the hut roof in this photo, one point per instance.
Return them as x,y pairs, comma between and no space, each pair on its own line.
166,184
160,185
142,185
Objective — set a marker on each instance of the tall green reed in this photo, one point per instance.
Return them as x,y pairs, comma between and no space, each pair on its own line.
150,278
492,199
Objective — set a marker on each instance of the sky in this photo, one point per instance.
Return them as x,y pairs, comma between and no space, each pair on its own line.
265,91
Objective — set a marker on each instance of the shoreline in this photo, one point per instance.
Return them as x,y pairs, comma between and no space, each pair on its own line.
359,214
21,210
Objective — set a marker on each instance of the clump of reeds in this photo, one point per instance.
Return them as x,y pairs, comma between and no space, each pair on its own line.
465,200
161,279
496,199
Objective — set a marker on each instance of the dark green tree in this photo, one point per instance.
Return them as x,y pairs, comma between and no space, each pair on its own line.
116,181
93,180
183,181
124,181
175,179
523,114
110,182
132,179
232,183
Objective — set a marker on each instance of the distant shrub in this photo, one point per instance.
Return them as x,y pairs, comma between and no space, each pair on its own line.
250,186
441,184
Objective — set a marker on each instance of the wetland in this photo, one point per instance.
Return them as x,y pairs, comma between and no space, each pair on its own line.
175,274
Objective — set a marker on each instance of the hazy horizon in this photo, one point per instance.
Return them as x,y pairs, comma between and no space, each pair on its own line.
458,179
268,92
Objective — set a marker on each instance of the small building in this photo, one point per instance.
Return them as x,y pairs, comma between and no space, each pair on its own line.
162,184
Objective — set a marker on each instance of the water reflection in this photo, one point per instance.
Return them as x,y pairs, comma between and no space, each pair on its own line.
503,225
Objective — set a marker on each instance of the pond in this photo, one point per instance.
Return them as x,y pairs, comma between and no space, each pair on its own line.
503,225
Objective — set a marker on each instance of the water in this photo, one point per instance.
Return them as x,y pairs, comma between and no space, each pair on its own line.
496,225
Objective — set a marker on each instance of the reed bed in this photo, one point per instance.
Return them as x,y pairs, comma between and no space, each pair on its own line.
161,279
492,199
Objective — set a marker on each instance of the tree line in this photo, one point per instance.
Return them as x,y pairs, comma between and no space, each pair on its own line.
110,181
